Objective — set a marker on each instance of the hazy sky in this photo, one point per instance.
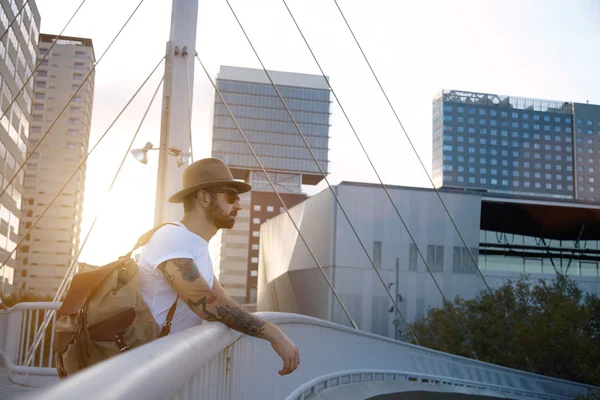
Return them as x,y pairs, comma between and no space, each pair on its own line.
535,48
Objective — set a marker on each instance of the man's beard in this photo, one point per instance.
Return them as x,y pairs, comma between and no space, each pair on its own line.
221,220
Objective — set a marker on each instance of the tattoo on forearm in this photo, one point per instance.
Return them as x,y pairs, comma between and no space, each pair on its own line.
234,317
202,302
187,267
240,320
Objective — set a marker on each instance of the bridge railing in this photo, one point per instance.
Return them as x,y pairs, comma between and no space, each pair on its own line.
18,326
213,362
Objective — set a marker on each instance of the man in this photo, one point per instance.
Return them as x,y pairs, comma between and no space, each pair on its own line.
175,262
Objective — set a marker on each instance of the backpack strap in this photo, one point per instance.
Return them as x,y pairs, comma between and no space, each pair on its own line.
142,241
145,238
167,326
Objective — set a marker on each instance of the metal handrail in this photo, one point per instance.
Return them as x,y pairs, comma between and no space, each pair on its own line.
211,361
337,379
17,324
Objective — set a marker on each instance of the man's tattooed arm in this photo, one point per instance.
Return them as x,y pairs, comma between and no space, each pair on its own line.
185,278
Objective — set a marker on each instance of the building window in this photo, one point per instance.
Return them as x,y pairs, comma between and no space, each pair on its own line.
254,260
257,207
270,209
253,272
412,257
255,233
462,262
377,253
255,246
256,221
435,258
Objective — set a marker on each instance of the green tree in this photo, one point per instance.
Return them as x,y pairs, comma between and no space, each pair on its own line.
550,328
10,301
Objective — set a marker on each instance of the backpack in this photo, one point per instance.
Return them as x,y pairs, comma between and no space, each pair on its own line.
103,315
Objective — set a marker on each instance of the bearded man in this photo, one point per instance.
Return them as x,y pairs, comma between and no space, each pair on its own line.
175,266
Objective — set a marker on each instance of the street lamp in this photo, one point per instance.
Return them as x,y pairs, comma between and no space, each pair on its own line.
142,154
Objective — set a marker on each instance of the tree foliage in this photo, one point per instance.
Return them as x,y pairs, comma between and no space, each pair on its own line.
10,301
550,328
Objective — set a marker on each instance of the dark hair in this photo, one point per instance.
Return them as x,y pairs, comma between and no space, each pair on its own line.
189,202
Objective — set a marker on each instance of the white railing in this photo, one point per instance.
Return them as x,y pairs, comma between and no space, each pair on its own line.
18,325
209,362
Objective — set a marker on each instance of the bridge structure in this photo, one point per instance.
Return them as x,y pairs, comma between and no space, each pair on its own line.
211,361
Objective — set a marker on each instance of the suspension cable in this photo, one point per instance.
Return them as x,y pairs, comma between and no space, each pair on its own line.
475,262
14,19
365,152
38,65
70,99
337,199
278,196
80,165
189,103
413,148
60,291
63,285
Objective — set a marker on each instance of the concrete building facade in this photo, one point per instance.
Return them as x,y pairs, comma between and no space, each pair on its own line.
48,251
18,53
507,236
508,144
273,136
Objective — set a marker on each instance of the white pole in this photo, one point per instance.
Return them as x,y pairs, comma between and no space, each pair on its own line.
175,126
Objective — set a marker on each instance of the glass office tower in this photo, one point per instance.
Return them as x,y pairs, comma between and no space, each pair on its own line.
515,145
275,139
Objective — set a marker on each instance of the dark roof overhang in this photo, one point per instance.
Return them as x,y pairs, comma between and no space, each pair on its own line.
559,220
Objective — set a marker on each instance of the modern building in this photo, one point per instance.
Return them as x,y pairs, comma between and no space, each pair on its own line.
280,148
18,52
507,144
48,250
508,236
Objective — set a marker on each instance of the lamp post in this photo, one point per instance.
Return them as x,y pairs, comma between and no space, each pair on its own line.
142,154
176,107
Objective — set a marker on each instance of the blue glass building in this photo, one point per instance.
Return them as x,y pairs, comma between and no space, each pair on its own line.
265,121
513,145
275,139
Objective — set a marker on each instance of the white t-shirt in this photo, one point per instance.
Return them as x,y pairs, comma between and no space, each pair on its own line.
167,243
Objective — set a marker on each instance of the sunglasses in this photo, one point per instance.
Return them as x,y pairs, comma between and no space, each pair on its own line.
232,196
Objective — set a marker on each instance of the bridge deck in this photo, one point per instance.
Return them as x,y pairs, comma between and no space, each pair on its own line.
412,390
9,390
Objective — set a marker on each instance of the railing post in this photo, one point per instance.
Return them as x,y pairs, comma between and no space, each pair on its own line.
13,332
226,388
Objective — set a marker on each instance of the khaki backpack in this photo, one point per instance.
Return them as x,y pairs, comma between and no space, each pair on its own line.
103,315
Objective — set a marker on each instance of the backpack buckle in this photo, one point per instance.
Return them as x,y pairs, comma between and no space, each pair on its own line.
118,339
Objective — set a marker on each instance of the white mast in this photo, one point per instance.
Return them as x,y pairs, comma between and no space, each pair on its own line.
175,120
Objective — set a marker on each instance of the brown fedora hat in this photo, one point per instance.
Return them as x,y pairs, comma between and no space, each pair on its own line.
207,173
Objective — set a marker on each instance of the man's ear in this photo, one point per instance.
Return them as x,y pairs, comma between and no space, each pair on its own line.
204,198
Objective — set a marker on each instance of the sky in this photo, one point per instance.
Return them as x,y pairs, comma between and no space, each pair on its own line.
547,49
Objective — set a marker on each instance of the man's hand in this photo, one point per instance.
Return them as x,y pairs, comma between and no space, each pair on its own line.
287,350
214,305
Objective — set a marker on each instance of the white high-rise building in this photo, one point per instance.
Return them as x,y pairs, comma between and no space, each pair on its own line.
49,249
